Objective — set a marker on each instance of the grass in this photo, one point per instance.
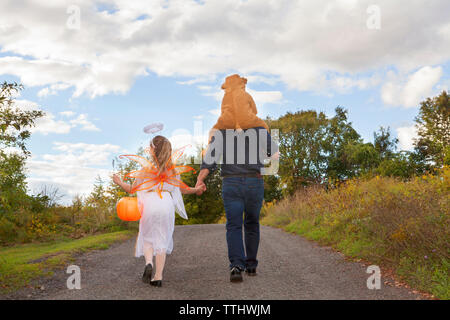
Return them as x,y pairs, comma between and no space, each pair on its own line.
402,226
21,264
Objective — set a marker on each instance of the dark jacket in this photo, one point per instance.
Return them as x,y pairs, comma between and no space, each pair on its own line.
247,141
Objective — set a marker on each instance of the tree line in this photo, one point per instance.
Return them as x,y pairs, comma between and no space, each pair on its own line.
314,150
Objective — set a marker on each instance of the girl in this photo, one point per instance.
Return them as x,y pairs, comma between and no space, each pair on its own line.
158,208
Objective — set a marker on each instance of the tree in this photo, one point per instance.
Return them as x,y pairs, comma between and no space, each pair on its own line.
339,136
97,196
363,157
400,165
15,123
315,149
50,194
115,192
385,146
302,160
14,131
207,208
272,190
433,129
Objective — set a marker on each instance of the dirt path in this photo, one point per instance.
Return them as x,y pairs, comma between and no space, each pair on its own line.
290,267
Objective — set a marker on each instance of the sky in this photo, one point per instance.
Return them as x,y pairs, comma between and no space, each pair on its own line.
102,70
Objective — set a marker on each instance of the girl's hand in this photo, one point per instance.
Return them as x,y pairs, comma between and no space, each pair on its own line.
116,179
200,189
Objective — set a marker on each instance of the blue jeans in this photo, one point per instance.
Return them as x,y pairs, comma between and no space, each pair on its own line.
242,199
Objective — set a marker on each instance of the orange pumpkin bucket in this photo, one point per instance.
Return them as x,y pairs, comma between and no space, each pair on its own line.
128,209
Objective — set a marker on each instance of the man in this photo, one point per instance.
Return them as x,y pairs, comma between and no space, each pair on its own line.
243,153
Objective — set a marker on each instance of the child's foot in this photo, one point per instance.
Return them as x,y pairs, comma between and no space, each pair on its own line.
156,283
146,277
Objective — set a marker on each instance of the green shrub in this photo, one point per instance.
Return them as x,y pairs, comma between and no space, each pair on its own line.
404,225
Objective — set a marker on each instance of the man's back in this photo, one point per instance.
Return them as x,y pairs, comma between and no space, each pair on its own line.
240,152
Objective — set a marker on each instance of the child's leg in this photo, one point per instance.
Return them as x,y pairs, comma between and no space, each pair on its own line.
160,261
148,253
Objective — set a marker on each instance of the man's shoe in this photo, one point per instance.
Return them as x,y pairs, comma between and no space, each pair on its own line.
250,271
235,275
147,276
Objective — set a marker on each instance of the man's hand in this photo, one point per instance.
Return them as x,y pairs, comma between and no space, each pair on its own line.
200,185
200,180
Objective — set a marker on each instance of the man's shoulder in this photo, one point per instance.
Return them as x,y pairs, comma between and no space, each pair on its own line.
254,128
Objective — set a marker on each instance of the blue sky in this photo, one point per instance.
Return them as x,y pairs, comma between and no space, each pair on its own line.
125,65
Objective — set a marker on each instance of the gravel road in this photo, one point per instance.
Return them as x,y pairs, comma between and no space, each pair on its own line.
290,267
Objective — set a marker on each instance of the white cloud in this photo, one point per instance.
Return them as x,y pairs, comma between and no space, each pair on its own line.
12,150
46,124
182,137
409,92
43,92
261,98
70,180
53,89
81,154
215,112
67,113
84,123
25,105
50,124
262,79
73,168
203,87
299,43
264,97
406,136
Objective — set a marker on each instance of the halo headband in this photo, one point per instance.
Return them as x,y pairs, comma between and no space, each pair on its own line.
153,128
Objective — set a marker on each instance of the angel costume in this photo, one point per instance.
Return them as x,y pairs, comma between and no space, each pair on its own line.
158,218
159,196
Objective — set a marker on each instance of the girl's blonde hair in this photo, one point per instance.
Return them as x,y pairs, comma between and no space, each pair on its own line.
162,152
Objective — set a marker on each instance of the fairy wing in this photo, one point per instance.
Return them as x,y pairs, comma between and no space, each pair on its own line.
147,184
176,155
174,178
141,160
149,175
177,170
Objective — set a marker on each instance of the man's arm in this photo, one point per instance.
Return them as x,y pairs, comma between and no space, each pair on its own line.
206,168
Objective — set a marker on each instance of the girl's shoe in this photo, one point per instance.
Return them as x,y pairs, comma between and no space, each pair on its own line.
156,283
147,276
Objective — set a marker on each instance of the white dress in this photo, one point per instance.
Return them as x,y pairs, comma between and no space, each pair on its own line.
158,218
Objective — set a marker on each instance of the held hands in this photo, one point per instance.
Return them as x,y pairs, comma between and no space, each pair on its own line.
200,187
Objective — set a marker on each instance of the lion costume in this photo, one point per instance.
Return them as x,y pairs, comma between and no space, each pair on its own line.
238,109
